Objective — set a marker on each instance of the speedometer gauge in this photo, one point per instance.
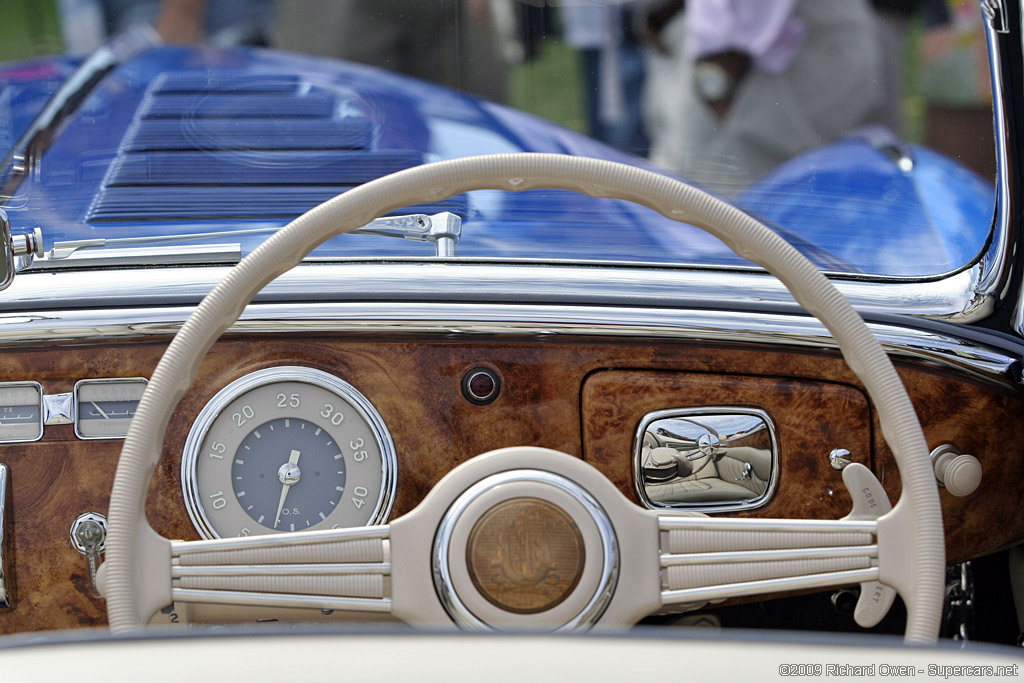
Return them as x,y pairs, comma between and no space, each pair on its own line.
287,449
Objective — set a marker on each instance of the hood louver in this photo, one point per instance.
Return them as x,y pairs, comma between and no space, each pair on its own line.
242,148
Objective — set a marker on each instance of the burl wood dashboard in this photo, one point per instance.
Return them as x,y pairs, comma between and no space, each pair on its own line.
581,396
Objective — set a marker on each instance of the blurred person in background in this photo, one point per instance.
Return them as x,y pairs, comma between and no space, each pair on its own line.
452,42
737,87
612,62
86,24
956,87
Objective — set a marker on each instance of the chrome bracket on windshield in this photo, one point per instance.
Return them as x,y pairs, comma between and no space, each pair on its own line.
443,229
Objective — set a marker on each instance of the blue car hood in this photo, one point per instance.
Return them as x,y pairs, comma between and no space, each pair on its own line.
190,140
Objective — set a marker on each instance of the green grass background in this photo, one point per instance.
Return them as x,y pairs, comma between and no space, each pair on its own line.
28,28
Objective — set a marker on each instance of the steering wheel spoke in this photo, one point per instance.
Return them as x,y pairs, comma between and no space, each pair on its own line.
706,559
335,569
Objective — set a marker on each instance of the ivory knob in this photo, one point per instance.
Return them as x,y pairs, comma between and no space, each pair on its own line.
959,472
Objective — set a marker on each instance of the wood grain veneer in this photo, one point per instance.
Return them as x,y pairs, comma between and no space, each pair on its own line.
579,396
988,424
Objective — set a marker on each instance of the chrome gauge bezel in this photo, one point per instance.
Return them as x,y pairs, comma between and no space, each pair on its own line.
318,378
42,410
77,403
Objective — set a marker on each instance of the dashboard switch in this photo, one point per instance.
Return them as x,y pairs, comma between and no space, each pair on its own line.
839,458
89,537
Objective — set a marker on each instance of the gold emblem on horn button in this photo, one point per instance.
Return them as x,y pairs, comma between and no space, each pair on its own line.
525,555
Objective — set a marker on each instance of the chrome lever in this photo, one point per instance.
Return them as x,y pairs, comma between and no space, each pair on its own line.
443,229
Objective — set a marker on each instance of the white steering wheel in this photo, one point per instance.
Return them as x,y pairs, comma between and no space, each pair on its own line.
591,557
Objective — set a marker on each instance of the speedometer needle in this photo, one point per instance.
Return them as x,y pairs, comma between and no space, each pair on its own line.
289,476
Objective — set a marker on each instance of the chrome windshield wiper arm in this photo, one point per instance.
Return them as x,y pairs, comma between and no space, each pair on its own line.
443,229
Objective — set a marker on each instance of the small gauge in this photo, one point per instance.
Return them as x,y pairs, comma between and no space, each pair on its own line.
104,407
21,411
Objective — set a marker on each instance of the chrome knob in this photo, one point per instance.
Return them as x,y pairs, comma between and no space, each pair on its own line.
89,533
839,458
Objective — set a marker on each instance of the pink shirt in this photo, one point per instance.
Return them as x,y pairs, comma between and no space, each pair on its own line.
764,29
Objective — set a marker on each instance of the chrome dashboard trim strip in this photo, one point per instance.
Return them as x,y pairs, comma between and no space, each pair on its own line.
952,298
480,320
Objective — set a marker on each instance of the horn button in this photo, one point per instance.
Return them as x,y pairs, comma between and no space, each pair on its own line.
525,549
525,555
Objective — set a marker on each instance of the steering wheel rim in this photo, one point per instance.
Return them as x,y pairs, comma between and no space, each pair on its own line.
923,557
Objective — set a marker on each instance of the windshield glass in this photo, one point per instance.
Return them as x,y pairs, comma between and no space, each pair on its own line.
861,131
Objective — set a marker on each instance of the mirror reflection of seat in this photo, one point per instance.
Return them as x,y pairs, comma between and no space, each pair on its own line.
706,459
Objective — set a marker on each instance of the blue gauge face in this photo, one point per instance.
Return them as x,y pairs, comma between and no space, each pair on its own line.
288,474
